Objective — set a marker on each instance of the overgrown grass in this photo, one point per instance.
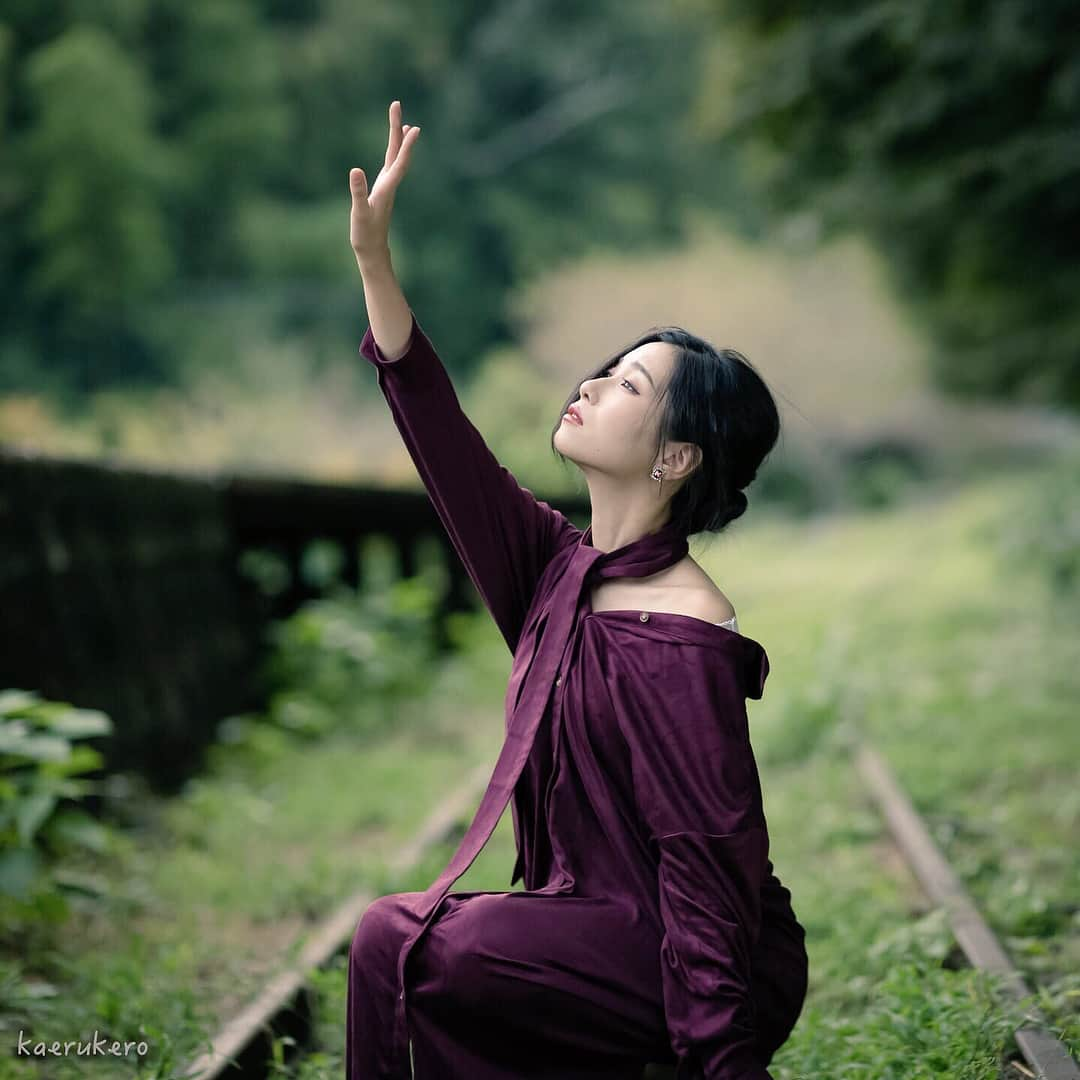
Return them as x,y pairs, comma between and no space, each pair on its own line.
904,623
218,887
907,624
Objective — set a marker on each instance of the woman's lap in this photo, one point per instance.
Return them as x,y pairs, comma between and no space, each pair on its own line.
554,970
547,983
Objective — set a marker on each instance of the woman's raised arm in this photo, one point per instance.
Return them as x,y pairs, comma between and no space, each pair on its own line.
503,534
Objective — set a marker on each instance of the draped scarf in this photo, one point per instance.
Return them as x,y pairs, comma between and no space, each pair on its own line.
565,601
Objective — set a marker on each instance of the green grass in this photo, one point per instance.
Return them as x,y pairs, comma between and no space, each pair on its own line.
219,886
904,623
907,624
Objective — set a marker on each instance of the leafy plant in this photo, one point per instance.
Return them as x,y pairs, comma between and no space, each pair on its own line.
341,662
40,826
1042,527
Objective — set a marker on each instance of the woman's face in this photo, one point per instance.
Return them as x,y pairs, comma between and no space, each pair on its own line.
620,414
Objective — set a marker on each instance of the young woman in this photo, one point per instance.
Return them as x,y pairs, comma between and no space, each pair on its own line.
651,927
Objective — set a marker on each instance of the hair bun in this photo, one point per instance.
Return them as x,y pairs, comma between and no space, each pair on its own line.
745,480
735,507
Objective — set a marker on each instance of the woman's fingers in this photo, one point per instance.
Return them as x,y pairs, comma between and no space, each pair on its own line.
393,142
398,155
396,138
390,176
371,209
405,151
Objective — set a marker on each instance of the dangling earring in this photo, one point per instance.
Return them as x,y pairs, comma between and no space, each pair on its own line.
658,475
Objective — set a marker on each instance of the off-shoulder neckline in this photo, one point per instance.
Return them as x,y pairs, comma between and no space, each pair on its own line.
700,630
669,627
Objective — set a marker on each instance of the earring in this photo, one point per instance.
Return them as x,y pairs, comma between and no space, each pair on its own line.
658,473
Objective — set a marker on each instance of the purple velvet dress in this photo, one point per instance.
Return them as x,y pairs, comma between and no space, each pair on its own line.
651,927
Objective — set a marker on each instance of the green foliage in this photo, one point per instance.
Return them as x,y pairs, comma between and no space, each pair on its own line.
1040,529
40,827
95,200
173,164
968,693
804,720
515,407
920,1021
135,133
342,661
112,995
882,474
951,133
342,646
793,483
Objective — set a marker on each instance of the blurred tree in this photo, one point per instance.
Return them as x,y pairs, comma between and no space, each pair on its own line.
131,134
168,165
93,220
549,129
220,102
950,132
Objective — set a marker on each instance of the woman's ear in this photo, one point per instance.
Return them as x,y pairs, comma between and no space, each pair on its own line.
681,459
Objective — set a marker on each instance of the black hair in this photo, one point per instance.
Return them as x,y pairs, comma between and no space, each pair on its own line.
717,400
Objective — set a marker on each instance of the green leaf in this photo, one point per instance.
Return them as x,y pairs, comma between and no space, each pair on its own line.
14,701
31,812
79,723
81,882
18,872
20,743
81,759
75,828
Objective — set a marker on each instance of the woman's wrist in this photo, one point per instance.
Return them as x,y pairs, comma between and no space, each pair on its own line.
375,263
388,311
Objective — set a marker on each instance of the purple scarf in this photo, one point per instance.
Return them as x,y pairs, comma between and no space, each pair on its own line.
563,602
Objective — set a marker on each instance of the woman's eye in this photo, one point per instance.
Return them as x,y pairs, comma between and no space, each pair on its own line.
622,382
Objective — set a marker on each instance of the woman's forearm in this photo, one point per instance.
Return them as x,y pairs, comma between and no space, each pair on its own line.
388,311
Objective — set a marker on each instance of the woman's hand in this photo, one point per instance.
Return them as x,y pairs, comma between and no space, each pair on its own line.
369,222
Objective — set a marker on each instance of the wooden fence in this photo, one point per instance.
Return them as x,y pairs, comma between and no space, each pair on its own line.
121,588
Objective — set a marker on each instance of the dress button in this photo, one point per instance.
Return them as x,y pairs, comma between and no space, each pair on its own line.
644,616
558,681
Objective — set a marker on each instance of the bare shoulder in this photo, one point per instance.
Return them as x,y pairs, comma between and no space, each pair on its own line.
688,590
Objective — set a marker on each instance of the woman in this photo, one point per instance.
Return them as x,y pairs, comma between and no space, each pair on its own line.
651,927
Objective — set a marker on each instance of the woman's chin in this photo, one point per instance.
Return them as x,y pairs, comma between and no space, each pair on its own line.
562,441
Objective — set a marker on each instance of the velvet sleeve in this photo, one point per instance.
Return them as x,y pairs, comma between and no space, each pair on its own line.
503,534
698,795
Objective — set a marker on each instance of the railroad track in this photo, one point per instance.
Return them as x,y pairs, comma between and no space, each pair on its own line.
1046,1056
242,1049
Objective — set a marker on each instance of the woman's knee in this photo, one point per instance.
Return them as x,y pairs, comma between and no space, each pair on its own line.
380,934
452,969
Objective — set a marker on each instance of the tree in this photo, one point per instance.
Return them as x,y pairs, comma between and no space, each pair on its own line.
949,132
213,140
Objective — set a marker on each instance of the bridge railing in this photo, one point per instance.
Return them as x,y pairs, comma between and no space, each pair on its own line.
121,588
